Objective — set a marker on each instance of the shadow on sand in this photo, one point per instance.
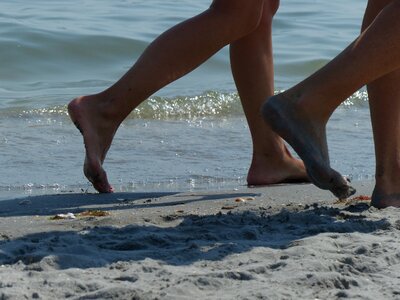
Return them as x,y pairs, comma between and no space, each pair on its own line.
194,238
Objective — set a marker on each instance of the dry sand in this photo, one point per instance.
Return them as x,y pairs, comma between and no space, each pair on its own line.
278,242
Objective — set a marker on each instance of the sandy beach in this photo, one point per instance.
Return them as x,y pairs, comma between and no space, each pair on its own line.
277,242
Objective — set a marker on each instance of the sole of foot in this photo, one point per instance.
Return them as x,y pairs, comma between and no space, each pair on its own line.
284,118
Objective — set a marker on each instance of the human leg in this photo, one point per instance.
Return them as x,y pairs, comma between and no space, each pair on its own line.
384,101
300,114
173,54
252,68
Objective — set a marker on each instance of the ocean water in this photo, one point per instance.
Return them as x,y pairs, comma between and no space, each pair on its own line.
191,135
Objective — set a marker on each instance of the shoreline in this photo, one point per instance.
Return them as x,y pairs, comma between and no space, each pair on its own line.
280,242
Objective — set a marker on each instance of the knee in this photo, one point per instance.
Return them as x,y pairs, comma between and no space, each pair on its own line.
242,16
271,6
374,7
269,10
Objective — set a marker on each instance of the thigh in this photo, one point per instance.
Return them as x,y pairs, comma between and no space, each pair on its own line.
238,6
242,15
373,9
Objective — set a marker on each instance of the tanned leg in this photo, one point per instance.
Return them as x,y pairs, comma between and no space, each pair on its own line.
384,101
172,55
252,68
300,114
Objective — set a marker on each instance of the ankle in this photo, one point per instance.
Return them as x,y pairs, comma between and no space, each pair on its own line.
105,106
305,102
272,169
276,158
273,153
388,182
386,193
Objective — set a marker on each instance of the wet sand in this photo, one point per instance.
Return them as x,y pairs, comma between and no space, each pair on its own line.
277,242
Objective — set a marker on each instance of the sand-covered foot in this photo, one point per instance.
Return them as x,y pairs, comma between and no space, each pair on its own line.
286,169
97,135
308,139
381,199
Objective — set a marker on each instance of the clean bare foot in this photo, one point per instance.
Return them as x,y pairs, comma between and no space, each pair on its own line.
97,132
308,139
266,171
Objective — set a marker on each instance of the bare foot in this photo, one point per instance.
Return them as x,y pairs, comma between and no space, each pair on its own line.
308,139
97,133
382,200
266,171
387,191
